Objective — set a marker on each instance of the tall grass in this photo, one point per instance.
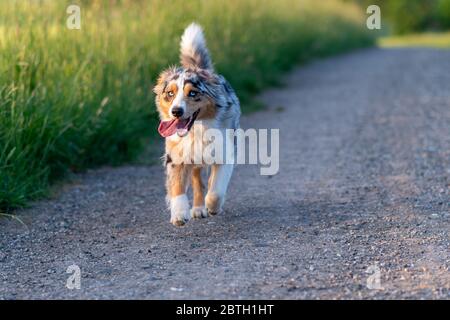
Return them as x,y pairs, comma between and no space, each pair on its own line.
72,99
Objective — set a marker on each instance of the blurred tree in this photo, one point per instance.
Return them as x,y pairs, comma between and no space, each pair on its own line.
412,15
444,13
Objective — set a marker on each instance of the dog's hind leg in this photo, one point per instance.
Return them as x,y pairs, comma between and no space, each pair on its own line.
198,210
177,184
217,187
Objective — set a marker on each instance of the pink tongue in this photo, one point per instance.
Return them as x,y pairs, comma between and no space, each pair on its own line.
168,128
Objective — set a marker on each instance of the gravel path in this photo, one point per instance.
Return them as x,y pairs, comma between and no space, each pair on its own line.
364,186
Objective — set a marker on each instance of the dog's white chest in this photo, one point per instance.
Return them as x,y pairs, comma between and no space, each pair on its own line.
196,146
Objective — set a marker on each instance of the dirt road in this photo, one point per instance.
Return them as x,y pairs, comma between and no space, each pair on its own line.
363,191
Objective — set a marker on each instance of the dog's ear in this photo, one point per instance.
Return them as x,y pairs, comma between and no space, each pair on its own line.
162,81
160,85
211,79
206,75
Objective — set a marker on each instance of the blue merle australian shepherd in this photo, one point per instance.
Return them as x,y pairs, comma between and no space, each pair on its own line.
190,100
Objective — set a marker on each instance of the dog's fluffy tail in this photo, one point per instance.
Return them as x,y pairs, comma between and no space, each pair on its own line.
194,52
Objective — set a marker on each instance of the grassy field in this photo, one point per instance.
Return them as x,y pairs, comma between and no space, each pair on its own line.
72,99
432,40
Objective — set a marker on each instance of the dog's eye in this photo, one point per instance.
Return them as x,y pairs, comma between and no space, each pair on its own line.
192,94
170,94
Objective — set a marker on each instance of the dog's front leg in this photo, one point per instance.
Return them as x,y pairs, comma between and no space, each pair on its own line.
198,210
177,183
217,187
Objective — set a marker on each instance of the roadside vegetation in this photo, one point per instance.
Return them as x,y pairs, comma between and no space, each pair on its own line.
427,39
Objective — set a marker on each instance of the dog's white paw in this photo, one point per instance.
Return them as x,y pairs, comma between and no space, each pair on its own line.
179,210
199,212
214,203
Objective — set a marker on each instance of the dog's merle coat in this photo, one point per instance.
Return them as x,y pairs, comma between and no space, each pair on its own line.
207,100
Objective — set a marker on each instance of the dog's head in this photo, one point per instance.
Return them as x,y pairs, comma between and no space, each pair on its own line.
184,96
190,92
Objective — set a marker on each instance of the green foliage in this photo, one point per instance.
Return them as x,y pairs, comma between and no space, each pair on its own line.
443,11
74,99
412,15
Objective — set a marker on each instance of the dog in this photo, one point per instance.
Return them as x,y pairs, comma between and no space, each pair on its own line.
192,99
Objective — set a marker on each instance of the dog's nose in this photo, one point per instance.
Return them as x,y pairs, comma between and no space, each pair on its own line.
177,112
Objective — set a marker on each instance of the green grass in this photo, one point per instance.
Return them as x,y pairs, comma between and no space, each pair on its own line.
75,99
432,40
